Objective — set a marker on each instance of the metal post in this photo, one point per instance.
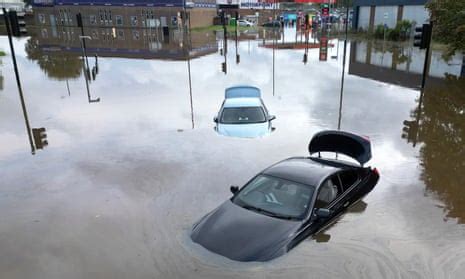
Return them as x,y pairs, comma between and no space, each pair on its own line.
427,58
343,69
274,46
84,68
18,81
189,70
84,44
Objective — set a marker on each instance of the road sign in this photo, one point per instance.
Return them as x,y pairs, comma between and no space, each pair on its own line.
323,48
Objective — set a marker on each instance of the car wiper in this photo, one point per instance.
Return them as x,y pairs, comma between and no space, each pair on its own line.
269,213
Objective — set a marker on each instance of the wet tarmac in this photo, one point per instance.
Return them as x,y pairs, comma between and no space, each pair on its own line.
122,180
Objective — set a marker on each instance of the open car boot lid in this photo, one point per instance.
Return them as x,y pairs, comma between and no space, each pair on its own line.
352,145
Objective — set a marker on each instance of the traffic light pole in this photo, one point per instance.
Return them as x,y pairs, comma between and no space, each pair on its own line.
18,81
427,59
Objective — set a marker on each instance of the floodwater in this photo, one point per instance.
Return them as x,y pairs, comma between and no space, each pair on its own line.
134,161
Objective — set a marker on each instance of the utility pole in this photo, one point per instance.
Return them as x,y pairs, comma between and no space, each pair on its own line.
18,81
189,45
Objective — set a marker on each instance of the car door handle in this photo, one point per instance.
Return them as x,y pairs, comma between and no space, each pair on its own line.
346,204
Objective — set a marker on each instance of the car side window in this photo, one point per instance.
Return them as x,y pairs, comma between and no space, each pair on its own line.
328,192
348,178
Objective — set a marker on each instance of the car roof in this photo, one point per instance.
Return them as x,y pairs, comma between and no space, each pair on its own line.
242,102
305,170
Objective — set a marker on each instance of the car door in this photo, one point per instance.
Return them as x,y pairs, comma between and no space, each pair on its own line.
347,182
328,194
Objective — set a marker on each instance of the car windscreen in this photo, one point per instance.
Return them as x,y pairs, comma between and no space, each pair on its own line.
243,115
276,197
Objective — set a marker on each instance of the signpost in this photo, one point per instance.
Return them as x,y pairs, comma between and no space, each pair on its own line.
323,48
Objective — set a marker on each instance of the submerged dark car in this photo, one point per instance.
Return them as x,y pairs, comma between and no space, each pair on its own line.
289,201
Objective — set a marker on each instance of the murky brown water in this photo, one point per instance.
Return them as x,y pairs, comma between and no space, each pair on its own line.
115,193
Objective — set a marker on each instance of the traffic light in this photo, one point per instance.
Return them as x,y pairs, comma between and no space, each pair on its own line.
410,131
325,10
40,137
238,58
17,23
422,36
223,67
223,19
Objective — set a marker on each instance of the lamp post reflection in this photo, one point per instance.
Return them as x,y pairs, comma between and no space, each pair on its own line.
189,46
37,136
86,68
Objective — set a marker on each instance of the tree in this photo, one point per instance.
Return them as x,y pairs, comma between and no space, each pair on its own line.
439,125
59,66
448,17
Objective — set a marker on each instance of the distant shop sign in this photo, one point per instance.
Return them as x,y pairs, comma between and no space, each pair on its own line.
255,4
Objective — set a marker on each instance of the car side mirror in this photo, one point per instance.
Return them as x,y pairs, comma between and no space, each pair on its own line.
215,119
322,212
234,189
271,117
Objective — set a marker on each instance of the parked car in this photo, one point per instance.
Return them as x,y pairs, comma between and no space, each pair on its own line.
289,201
244,22
243,114
273,24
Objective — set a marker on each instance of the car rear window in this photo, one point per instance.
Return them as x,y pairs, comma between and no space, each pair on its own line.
243,115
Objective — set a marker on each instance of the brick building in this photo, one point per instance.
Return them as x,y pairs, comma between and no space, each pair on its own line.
124,13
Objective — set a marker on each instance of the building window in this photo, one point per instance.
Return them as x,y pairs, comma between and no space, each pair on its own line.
133,20
119,20
135,35
93,19
42,18
95,34
120,34
44,33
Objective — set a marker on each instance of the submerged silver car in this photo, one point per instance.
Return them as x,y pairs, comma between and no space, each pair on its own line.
243,114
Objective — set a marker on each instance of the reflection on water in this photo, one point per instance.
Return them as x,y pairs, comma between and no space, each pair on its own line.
122,167
400,64
438,123
58,65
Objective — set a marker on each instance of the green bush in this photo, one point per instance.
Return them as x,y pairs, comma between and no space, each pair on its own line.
404,28
400,33
393,34
379,31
